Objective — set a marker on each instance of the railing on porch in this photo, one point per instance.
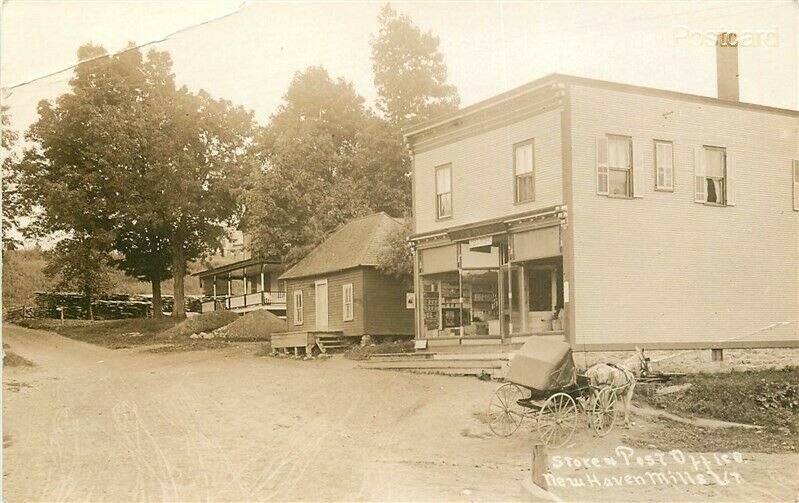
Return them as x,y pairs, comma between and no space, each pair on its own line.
245,300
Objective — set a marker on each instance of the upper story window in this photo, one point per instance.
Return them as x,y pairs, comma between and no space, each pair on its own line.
713,181
444,191
620,164
619,168
796,184
347,303
298,307
664,165
524,172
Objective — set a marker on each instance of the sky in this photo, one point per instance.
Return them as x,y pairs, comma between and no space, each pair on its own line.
248,51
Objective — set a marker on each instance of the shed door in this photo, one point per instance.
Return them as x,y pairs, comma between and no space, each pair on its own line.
321,304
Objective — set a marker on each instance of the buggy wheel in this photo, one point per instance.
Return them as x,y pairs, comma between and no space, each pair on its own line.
505,415
557,420
602,414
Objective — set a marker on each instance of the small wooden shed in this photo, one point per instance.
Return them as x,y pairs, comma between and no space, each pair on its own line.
337,291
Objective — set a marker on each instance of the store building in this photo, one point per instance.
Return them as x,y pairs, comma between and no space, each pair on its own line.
608,215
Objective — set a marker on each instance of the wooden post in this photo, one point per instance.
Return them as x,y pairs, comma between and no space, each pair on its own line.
539,465
717,355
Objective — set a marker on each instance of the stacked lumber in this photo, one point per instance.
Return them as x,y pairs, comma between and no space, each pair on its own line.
108,307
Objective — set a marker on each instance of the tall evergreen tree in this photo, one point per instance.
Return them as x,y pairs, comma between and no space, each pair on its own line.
410,73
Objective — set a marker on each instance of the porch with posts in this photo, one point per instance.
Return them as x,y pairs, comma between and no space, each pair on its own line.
243,286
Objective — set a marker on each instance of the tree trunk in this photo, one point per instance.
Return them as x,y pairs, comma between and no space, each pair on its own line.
178,270
89,304
158,308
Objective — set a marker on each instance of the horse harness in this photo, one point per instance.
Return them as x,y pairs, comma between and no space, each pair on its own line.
628,375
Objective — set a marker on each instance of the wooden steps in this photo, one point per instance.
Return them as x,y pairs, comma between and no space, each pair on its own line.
494,364
304,340
330,341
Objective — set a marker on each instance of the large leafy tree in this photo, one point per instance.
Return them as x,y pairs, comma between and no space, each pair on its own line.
138,165
307,181
12,199
410,73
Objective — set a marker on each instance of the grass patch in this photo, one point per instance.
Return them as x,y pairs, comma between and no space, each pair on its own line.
665,434
117,334
769,398
182,345
51,324
364,352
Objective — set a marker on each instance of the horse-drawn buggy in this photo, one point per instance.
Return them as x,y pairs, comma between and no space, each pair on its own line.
543,385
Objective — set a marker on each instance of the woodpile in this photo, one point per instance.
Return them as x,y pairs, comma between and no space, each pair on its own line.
107,307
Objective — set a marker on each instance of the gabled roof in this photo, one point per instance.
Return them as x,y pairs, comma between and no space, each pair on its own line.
358,243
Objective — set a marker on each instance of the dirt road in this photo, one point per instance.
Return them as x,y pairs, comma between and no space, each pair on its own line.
92,424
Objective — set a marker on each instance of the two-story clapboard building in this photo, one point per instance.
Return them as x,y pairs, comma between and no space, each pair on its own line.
609,215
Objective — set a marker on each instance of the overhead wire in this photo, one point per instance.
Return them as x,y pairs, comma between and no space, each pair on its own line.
9,89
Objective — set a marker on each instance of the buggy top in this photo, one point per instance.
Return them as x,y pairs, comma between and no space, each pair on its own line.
544,365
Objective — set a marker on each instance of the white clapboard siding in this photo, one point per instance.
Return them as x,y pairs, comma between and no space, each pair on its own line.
602,175
700,184
731,179
638,168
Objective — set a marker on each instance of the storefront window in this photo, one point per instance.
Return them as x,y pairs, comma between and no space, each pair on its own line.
441,305
480,302
482,296
536,296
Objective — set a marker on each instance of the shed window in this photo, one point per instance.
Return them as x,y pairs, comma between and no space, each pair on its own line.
664,165
524,173
444,191
346,302
298,307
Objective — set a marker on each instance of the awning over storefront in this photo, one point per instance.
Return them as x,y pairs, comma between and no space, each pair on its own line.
441,259
536,244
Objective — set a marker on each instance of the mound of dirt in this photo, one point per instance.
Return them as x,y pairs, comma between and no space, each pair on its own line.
255,325
206,322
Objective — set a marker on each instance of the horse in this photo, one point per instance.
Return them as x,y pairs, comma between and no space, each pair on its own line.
621,377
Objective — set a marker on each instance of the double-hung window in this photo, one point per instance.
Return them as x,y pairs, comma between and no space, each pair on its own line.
664,165
347,303
710,180
444,191
796,184
524,172
620,163
298,307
